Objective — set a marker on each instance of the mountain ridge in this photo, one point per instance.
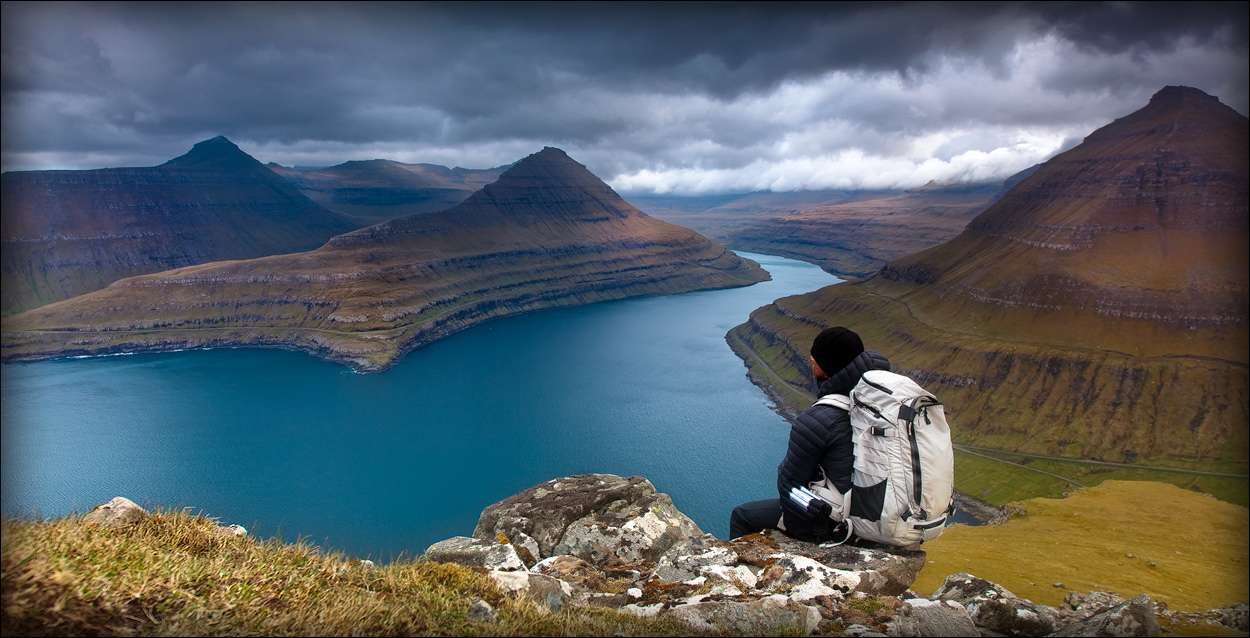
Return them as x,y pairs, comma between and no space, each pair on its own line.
547,233
1096,310
70,232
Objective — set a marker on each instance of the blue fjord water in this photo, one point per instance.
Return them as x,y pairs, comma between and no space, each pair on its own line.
384,464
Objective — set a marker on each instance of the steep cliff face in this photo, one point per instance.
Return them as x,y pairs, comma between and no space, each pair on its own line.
1098,309
372,191
70,232
548,233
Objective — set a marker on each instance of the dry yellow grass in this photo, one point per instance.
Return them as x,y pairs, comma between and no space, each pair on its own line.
175,574
1129,537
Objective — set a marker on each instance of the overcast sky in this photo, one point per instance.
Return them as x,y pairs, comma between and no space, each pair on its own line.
654,98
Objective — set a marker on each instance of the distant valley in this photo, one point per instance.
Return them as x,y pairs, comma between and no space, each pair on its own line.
849,233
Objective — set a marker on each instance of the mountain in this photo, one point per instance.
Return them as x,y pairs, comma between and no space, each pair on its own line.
1097,310
372,191
547,233
848,233
70,232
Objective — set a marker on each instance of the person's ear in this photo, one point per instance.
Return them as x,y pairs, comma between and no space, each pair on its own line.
817,371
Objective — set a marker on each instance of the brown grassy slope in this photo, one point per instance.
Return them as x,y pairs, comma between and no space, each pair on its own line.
1129,537
1098,310
70,232
178,575
548,233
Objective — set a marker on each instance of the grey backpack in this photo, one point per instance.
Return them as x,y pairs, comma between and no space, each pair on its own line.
902,485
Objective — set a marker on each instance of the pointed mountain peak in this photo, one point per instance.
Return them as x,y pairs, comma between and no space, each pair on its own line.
1179,96
549,183
552,167
215,153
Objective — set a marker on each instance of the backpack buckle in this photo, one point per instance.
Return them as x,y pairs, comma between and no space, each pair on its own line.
906,413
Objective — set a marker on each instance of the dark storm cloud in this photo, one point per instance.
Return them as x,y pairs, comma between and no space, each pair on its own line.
665,97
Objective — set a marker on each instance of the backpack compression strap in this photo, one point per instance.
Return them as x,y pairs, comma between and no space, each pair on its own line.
836,400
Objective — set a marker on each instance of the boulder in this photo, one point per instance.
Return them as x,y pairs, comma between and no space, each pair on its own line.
119,512
1103,614
924,617
481,611
996,610
766,616
473,552
597,517
550,594
233,530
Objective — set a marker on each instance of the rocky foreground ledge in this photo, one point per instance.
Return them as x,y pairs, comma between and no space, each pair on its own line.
593,554
611,541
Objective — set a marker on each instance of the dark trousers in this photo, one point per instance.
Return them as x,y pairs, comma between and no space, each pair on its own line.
755,516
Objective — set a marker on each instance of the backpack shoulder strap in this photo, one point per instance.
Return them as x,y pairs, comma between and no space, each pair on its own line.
840,401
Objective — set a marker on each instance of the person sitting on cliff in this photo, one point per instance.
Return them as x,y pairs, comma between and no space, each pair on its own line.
820,443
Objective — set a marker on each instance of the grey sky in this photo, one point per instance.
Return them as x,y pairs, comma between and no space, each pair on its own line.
655,98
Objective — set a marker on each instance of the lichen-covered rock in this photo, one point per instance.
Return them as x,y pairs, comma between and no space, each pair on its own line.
802,578
828,569
924,617
118,512
765,616
474,552
598,517
1103,614
688,561
550,594
994,609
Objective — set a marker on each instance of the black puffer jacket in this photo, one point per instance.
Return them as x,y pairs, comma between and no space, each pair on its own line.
821,440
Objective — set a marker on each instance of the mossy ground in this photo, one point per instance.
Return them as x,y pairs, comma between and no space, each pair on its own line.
1000,483
1129,537
176,574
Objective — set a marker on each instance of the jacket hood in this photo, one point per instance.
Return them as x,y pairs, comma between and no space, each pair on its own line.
842,381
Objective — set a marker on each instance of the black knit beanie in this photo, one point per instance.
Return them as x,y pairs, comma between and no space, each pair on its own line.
836,347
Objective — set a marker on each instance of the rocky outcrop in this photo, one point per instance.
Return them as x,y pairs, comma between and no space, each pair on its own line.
760,584
548,233
70,232
611,541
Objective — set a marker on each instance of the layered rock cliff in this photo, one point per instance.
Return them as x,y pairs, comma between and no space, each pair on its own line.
373,191
547,233
1097,310
70,232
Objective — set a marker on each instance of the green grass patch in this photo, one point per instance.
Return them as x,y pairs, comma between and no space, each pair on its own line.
1000,483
